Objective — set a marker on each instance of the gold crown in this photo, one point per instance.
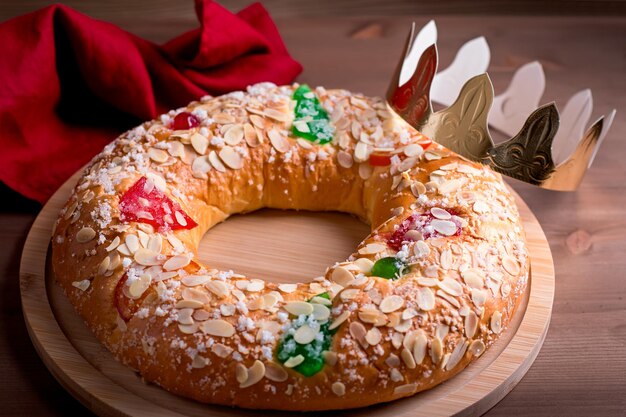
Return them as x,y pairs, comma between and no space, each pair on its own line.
463,127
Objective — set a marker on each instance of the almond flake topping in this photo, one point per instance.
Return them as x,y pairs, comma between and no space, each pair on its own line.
199,143
288,288
496,322
278,141
298,308
425,299
338,389
294,361
391,303
231,158
146,257
342,276
82,285
339,320
218,328
215,162
305,335
176,262
372,248
85,235
255,373
444,227
275,372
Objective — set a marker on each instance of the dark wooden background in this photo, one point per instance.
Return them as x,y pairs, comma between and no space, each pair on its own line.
581,370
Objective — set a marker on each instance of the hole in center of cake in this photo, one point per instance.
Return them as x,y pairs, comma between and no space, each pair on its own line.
281,246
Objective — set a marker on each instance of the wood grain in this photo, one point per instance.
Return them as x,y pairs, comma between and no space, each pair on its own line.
91,374
581,370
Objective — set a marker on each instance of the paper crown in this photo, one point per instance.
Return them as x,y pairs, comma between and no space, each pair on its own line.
547,149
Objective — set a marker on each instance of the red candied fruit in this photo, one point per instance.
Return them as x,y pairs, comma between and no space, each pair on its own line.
145,203
125,306
185,120
420,223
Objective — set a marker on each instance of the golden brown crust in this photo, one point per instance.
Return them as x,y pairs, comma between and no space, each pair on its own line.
212,335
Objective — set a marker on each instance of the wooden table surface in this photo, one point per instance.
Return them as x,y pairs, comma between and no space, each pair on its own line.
581,370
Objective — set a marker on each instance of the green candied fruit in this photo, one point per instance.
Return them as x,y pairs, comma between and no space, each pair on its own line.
312,352
389,267
315,124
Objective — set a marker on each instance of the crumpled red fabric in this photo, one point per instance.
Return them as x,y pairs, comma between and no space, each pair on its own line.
71,84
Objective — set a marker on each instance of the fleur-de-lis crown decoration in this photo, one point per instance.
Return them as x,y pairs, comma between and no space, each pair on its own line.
462,127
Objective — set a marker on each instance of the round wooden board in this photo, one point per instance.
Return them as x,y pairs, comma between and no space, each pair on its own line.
271,240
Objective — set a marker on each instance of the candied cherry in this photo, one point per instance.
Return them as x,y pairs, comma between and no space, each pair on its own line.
185,120
145,203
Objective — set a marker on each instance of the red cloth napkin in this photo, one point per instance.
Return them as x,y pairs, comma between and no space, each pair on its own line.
70,84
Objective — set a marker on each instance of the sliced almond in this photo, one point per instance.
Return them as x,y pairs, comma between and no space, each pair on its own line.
440,213
338,388
139,286
365,170
294,361
231,158
241,373
420,345
278,141
391,303
451,286
146,257
234,135
288,288
85,235
321,313
342,276
158,155
407,358
471,324
372,248
477,347
444,227
114,244
275,372
200,143
511,266
425,299
305,335
339,320
405,389
82,285
200,167
218,288
132,242
373,336
176,262
473,278
216,162
457,354
220,328
255,373
496,322
413,149
436,350
345,159
298,308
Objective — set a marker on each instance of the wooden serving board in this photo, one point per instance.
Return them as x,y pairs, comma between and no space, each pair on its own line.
300,245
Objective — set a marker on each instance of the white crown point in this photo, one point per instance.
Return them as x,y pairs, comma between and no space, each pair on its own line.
606,125
426,37
471,60
573,121
512,107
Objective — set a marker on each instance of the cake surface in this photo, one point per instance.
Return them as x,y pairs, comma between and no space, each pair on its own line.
426,293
